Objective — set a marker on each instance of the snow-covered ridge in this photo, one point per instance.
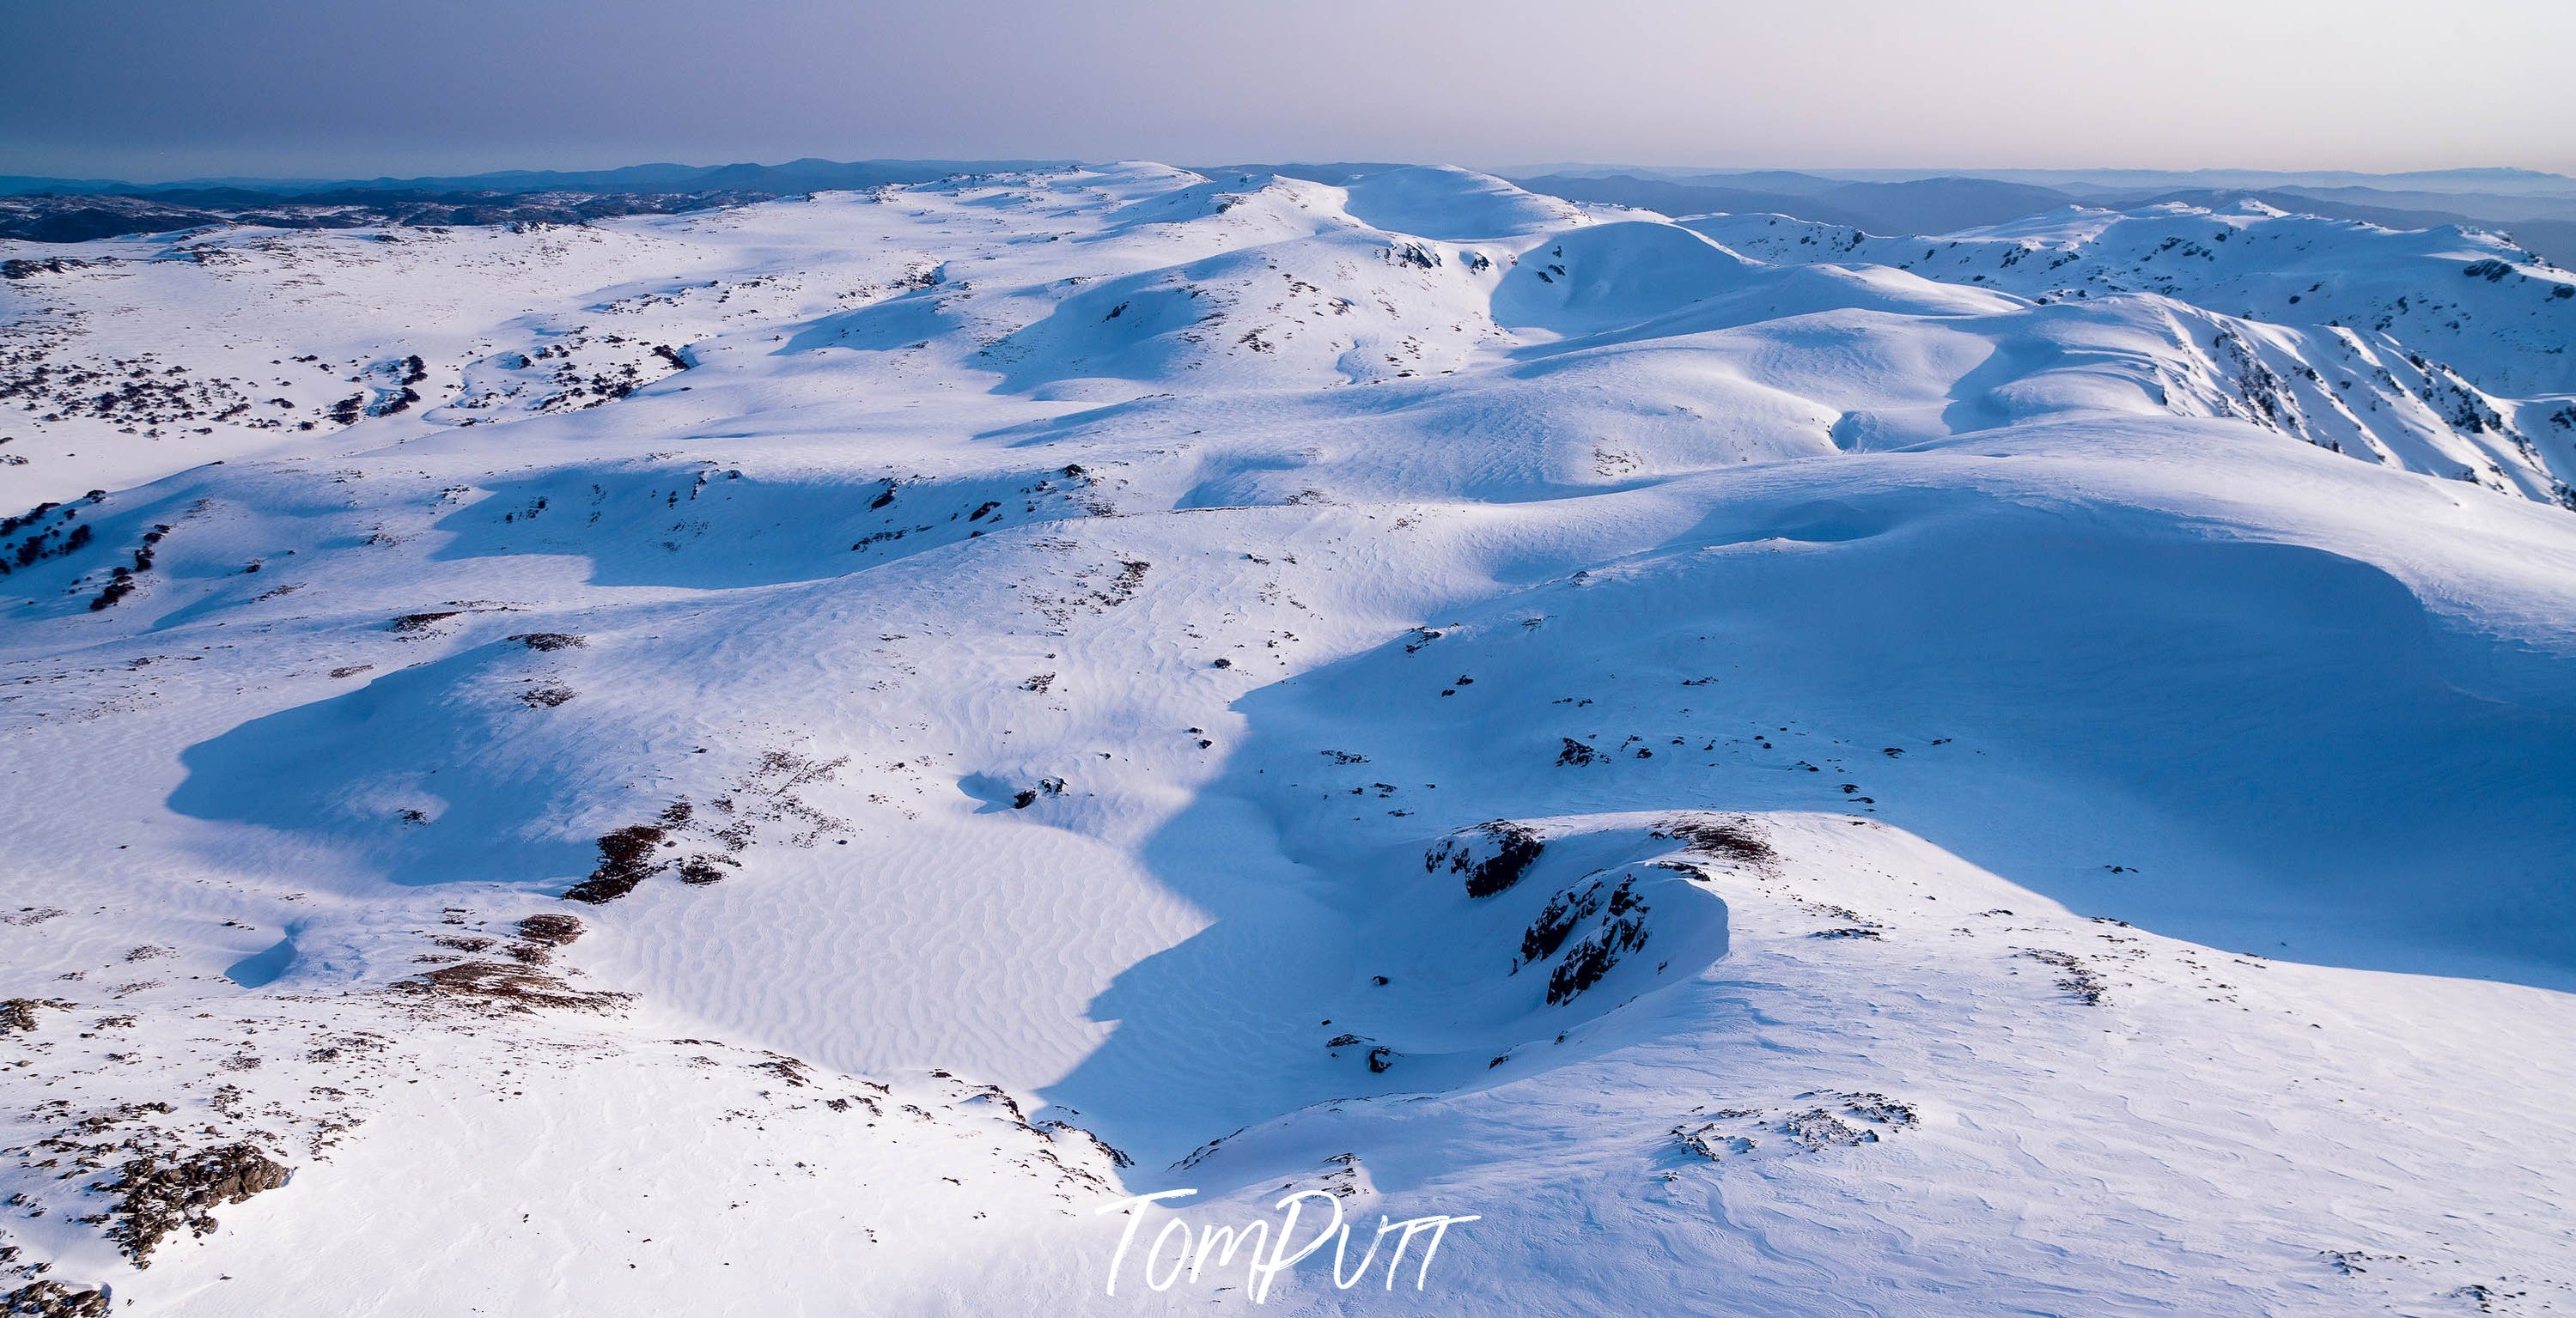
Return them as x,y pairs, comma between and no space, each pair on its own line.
2439,352
1862,771
2442,351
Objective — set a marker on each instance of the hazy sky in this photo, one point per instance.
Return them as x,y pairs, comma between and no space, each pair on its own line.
157,89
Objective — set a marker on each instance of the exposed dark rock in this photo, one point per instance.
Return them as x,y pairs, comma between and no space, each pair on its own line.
53,1299
1817,1128
1594,954
1881,1109
705,868
626,858
1556,922
154,1197
1515,849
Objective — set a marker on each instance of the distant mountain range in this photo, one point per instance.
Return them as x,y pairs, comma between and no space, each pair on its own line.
2543,223
794,176
2537,209
55,210
2517,182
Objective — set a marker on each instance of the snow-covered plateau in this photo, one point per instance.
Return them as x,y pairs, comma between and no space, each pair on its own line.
778,760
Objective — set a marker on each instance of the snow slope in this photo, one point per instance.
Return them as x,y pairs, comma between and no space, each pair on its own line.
2442,351
1777,781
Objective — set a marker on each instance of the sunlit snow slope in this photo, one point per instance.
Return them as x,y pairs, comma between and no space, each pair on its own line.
775,760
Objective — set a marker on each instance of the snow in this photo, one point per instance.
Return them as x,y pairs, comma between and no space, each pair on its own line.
1443,201
2442,351
1777,781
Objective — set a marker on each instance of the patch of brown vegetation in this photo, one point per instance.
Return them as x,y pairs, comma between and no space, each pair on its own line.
500,986
1515,850
551,930
412,624
550,640
1734,838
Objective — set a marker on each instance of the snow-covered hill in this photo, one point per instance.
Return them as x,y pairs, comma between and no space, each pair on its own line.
2442,351
779,759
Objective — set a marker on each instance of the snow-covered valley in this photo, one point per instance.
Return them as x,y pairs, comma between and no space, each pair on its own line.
778,759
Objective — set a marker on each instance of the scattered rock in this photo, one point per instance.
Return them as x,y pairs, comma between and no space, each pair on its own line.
2078,978
1842,1120
53,1299
1817,1128
154,1197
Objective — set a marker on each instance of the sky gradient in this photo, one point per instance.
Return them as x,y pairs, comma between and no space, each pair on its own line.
154,89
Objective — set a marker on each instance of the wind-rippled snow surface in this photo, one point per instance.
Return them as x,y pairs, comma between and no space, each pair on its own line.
1786,771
